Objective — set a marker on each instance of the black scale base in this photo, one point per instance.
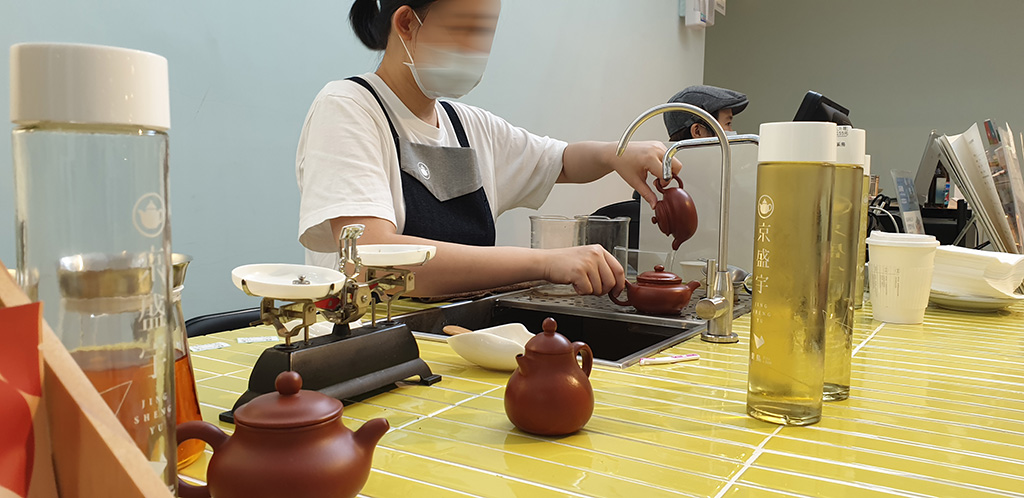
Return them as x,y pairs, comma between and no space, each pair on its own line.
347,364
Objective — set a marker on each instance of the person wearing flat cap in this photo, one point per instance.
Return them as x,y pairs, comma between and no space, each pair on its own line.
721,103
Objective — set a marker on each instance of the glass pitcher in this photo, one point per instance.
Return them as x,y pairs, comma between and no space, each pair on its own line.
185,396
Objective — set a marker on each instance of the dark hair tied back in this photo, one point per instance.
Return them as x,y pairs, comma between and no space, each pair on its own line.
372,23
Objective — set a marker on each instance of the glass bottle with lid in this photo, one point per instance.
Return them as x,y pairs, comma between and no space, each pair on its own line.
842,278
792,233
90,176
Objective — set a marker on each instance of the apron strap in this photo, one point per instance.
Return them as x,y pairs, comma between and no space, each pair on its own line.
460,132
394,133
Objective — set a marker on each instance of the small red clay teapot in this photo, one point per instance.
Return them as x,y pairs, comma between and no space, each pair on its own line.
289,443
657,292
675,214
549,394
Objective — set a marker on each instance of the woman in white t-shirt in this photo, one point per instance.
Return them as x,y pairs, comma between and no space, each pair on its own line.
380,150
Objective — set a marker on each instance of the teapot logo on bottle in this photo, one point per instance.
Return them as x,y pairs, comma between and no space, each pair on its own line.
148,215
765,206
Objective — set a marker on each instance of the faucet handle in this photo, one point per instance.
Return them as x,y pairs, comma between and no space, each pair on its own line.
710,308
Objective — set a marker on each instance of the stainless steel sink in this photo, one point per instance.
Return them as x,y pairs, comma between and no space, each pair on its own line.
619,336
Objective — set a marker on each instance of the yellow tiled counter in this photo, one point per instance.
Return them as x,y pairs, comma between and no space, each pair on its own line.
936,409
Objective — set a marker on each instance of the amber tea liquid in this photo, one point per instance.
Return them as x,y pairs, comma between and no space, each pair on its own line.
186,406
791,261
126,380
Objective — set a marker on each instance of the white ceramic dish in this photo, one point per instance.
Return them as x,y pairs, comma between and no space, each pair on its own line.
972,303
277,280
495,347
395,254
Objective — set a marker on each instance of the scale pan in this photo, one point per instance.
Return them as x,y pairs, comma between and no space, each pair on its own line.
282,281
384,255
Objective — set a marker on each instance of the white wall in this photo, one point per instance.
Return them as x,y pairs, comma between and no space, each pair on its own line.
244,73
903,67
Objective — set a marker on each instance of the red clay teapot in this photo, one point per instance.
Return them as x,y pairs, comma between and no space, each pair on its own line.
675,214
657,292
290,443
549,394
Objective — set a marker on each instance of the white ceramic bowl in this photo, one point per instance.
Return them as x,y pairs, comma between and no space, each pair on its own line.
494,348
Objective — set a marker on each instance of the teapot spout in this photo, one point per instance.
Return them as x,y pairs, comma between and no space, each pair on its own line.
523,363
693,285
370,433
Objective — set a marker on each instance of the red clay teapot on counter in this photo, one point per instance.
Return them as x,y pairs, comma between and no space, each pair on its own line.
286,444
549,394
657,292
675,214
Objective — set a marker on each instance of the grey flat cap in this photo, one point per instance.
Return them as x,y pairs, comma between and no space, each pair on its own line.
709,98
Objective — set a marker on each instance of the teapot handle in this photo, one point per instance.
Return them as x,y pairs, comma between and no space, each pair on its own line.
588,356
619,302
657,183
208,433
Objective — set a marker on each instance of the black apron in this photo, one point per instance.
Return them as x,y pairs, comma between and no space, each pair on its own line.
441,186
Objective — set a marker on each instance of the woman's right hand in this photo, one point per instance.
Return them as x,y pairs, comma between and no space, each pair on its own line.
590,269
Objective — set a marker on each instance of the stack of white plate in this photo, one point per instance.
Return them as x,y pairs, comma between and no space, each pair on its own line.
973,280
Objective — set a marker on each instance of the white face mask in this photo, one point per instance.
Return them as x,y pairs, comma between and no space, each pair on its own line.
730,133
445,73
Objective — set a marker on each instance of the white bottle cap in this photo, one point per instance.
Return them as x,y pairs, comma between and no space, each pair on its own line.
88,84
797,141
867,164
850,145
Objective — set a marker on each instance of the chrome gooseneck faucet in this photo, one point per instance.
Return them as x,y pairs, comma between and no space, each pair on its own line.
717,308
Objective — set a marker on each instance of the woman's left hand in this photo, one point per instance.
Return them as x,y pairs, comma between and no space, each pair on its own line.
639,159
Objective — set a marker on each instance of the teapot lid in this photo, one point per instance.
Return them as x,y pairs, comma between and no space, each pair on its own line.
659,277
289,407
549,341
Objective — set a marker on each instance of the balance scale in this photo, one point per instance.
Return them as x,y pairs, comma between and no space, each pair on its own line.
347,363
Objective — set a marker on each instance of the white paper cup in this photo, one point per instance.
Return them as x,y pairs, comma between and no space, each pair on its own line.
900,273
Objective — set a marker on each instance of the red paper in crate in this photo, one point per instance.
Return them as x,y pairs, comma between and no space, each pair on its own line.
20,393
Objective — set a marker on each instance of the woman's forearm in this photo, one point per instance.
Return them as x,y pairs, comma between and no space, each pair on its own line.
584,162
459,268
456,268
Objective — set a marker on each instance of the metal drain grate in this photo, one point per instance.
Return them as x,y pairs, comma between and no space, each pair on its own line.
603,307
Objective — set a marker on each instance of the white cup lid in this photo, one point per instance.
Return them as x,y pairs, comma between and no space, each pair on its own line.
901,239
89,84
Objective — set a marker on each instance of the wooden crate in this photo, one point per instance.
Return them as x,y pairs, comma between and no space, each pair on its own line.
93,455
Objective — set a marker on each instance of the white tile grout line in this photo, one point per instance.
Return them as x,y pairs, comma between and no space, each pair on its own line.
442,410
418,481
855,350
748,463
498,475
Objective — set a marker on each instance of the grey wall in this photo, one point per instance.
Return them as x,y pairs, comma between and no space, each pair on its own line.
244,73
902,67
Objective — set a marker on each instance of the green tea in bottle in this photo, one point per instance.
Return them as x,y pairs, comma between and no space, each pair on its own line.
842,278
792,236
862,246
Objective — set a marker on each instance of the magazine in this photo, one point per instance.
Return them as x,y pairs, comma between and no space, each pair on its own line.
965,159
